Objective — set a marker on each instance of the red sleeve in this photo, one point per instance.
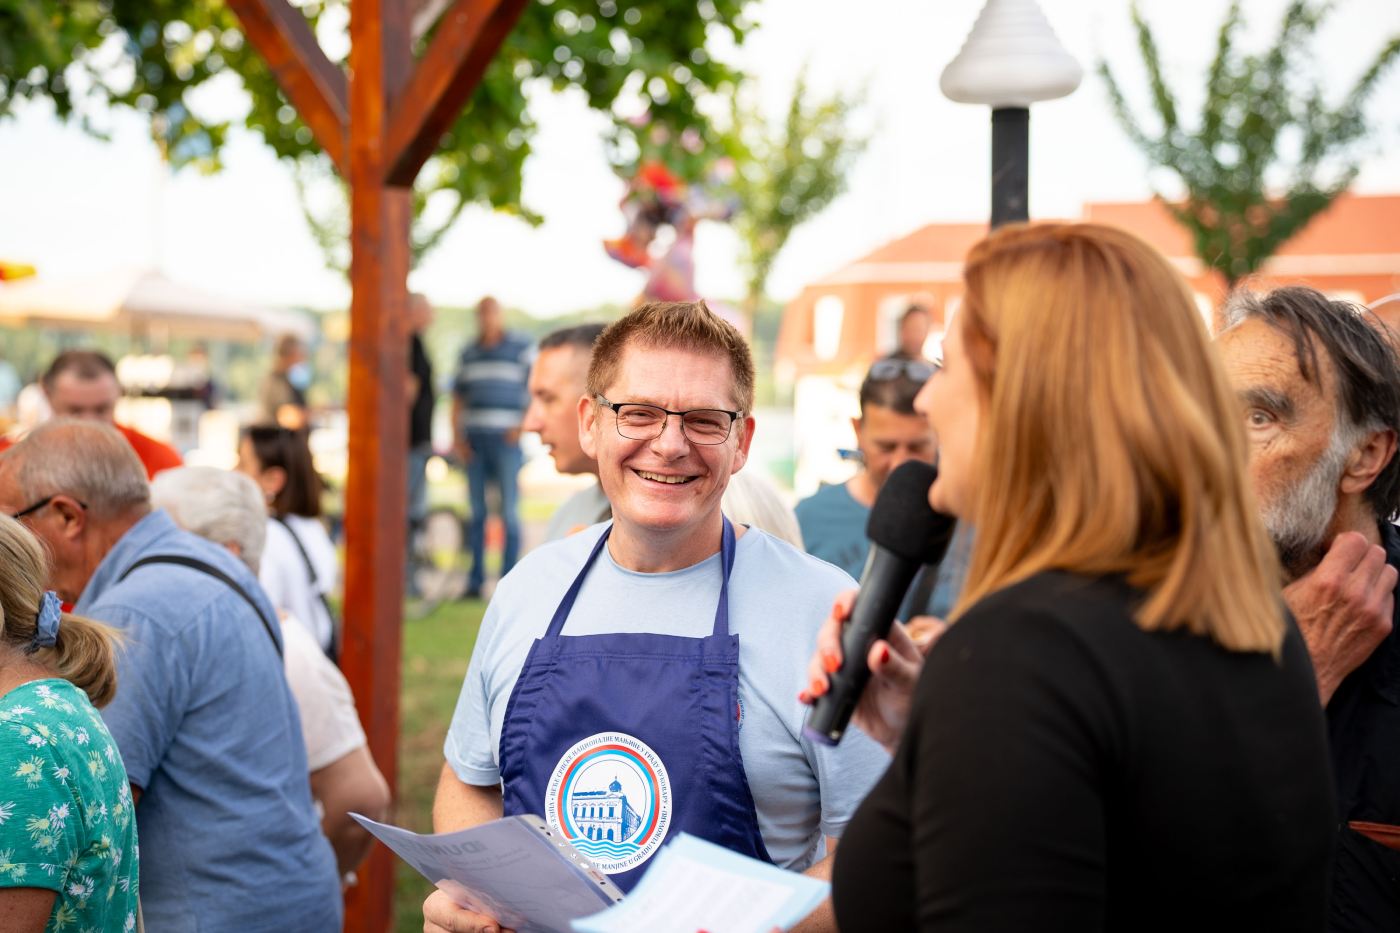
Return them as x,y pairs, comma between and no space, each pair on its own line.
154,455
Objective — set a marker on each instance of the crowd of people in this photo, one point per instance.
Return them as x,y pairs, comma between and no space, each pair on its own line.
1154,684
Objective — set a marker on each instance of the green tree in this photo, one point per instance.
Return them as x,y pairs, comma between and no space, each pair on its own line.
152,54
788,172
1269,152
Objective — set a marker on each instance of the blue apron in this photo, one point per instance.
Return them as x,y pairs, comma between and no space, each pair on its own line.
622,740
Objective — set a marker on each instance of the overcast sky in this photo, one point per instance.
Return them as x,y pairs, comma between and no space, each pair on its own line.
73,205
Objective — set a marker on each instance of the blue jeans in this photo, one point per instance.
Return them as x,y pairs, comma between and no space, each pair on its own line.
494,462
418,483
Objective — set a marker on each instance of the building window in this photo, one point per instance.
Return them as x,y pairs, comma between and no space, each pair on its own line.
828,315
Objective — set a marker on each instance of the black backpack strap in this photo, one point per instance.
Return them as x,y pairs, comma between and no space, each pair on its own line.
195,563
333,652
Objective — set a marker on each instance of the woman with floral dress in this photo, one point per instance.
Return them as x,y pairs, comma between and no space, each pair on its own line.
67,826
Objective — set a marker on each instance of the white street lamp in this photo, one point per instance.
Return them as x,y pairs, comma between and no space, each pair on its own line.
1010,60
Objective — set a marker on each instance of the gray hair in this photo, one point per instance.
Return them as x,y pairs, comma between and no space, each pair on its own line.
87,460
1363,356
751,499
223,506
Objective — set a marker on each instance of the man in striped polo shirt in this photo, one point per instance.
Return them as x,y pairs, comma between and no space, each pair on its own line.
489,398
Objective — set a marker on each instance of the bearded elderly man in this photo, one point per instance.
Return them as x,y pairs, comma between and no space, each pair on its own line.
602,690
1320,386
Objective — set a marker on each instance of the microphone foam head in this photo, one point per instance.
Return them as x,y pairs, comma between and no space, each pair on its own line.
903,522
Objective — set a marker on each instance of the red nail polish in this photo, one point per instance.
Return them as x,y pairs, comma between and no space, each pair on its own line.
830,663
884,654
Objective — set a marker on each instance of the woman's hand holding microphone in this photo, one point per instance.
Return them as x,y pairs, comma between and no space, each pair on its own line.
895,663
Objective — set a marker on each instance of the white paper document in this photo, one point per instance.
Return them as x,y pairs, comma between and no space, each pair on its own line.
514,870
693,885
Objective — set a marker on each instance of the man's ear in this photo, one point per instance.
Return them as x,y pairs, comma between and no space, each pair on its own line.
1367,461
587,419
856,425
72,516
745,431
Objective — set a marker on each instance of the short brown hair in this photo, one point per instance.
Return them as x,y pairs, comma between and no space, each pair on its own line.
85,364
673,325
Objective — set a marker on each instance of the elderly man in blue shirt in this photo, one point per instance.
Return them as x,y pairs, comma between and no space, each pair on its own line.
203,718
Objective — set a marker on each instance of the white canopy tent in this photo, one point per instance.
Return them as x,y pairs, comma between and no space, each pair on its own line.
142,301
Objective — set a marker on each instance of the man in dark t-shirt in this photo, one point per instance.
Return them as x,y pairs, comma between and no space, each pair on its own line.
420,416
1319,383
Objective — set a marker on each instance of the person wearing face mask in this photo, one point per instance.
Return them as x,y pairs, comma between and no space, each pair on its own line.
282,394
638,679
1120,730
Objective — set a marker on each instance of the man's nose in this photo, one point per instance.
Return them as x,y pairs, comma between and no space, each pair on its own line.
671,442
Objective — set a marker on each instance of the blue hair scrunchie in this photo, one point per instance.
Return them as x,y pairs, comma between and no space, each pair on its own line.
46,626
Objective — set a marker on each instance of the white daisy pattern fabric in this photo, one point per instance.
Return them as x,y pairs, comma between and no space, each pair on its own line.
67,823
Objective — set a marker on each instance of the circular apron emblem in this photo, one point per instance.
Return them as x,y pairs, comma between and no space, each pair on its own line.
611,797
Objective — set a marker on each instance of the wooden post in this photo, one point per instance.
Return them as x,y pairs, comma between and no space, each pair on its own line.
378,131
375,493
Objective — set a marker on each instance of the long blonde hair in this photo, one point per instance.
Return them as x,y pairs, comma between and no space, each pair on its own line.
1110,441
82,655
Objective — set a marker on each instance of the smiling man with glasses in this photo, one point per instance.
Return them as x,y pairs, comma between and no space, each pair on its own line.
616,655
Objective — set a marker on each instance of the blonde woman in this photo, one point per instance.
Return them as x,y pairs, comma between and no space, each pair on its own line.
1120,730
67,826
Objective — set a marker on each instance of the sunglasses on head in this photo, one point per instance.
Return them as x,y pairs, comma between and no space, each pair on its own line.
917,370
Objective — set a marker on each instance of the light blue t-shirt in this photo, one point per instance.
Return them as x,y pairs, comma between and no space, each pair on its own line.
778,598
208,730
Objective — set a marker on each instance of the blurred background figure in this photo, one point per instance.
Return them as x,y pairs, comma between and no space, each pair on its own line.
227,508
9,391
558,380
282,393
83,384
60,810
489,398
196,375
421,395
888,432
752,499
914,326
299,567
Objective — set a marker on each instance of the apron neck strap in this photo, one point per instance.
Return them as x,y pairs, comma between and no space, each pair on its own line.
726,550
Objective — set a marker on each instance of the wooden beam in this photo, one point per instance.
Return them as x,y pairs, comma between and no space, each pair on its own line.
467,38
375,494
316,87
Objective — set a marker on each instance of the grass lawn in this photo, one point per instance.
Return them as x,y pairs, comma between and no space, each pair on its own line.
435,654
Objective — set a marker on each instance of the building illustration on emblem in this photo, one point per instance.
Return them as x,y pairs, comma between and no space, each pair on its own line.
604,815
610,796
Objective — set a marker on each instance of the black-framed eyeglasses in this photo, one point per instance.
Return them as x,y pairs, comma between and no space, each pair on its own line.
917,370
638,422
40,504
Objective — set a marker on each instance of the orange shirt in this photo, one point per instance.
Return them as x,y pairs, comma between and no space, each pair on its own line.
154,455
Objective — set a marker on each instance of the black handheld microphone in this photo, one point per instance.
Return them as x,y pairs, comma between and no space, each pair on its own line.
905,534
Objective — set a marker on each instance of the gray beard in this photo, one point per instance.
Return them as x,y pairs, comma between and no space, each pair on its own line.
1300,519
